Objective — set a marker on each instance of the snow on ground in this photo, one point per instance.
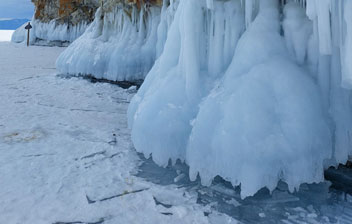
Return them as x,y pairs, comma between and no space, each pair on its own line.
5,35
60,161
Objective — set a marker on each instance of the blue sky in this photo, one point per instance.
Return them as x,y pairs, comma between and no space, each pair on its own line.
19,9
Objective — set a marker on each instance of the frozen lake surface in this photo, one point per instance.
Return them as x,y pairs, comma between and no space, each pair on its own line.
66,157
66,154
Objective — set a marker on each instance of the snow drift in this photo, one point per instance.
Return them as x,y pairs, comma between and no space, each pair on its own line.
245,93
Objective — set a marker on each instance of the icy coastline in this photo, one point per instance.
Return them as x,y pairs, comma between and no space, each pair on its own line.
254,91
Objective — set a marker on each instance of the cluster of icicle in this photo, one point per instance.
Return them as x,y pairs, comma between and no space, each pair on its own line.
256,91
49,32
121,44
332,33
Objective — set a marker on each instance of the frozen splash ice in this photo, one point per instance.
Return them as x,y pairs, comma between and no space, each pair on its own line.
274,113
264,122
193,58
262,133
117,46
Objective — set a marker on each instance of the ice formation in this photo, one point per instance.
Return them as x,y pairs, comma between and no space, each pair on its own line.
253,91
58,22
118,45
187,69
44,33
266,109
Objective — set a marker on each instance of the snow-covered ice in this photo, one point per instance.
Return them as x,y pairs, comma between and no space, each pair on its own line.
5,35
60,161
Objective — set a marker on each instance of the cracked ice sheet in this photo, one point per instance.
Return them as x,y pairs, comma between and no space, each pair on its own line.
57,149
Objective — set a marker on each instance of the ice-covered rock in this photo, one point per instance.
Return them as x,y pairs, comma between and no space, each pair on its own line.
59,21
121,44
276,112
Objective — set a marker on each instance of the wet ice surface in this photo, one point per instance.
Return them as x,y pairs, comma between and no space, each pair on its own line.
66,157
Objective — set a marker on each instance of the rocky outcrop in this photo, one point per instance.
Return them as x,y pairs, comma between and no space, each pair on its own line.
74,12
70,12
